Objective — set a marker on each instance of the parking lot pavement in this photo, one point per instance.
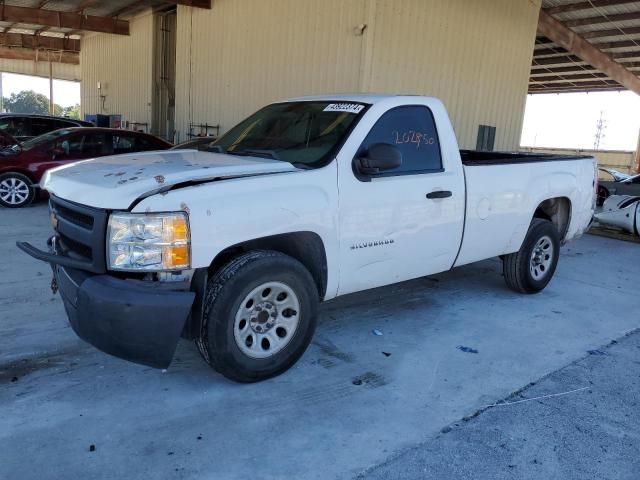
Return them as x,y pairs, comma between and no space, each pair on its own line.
579,422
456,342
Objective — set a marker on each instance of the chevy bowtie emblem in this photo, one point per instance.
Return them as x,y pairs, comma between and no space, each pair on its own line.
54,220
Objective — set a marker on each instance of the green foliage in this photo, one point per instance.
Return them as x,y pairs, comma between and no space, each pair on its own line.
72,111
28,101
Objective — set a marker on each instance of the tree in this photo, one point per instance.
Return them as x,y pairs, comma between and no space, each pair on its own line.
72,111
28,101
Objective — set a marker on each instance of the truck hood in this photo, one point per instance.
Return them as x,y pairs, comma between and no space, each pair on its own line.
115,182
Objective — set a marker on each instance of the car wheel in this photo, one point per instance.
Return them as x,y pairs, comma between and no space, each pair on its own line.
602,195
531,268
259,316
16,190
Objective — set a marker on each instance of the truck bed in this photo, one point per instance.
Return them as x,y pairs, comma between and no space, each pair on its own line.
479,158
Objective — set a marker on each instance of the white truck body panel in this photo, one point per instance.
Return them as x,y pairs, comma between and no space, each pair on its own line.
374,233
501,201
396,209
226,213
115,182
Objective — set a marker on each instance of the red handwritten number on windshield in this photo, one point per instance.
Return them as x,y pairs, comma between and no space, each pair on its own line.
411,136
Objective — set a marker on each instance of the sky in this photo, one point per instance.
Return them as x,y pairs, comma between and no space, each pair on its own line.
65,93
569,120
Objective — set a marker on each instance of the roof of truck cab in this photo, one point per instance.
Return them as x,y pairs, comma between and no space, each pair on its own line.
369,98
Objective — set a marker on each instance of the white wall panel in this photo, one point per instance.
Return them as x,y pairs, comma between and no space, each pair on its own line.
123,66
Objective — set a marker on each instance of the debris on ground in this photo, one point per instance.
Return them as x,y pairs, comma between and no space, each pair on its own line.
464,349
92,448
376,332
596,352
386,354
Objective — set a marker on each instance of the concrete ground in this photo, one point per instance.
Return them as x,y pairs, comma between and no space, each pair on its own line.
579,422
356,403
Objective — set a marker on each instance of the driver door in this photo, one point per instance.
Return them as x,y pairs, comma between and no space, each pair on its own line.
406,222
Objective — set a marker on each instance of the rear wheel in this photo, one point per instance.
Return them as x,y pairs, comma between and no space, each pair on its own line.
531,268
260,315
15,190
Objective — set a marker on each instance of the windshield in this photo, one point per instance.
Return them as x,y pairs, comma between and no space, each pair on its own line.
42,139
306,134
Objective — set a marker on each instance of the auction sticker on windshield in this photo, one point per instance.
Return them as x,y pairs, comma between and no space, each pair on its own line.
344,107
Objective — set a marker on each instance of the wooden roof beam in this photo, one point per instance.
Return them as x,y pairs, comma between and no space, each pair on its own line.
537,91
601,46
614,17
543,70
577,77
194,3
39,41
574,7
622,58
18,53
595,83
72,20
614,32
578,46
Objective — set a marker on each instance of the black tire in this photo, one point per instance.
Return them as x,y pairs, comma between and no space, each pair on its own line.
226,291
517,267
17,198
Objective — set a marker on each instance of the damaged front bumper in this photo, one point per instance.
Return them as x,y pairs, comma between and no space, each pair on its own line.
135,320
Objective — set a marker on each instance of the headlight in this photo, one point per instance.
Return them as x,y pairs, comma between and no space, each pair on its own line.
152,242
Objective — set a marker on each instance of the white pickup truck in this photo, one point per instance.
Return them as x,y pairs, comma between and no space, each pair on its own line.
305,200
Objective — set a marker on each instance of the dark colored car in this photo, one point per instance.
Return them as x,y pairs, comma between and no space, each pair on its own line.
628,186
196,143
24,126
22,165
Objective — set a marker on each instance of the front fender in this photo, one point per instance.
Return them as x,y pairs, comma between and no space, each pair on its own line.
229,212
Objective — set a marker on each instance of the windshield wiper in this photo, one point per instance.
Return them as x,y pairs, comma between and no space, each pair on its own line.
256,152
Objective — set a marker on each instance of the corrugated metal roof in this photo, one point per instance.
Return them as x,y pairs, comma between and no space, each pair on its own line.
122,9
612,26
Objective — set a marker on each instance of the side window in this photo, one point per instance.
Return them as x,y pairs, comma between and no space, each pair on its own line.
412,130
143,143
16,126
42,125
96,144
69,146
122,144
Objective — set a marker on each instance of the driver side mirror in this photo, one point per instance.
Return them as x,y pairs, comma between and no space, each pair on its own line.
379,158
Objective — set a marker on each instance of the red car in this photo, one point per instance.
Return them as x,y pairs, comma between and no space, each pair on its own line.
22,165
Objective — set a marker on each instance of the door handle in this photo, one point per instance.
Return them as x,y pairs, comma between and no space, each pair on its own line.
439,194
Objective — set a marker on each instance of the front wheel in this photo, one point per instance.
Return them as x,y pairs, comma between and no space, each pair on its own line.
531,268
260,314
16,190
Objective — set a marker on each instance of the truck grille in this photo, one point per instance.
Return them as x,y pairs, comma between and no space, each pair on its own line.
80,232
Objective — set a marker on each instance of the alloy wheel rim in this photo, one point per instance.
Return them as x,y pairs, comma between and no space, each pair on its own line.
266,320
13,191
541,258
